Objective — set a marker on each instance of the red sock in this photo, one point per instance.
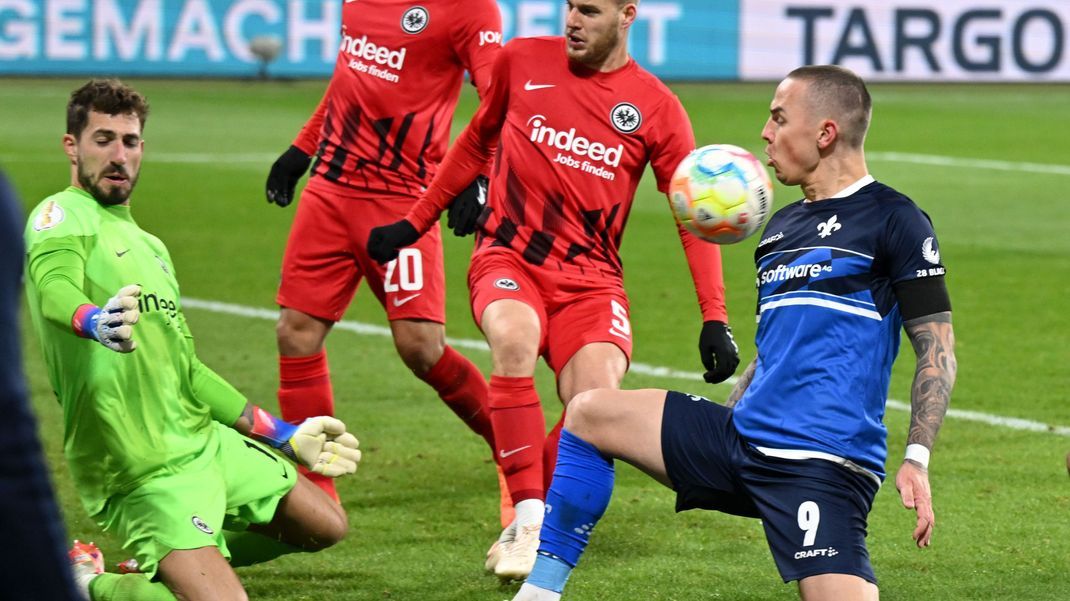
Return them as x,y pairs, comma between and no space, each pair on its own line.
549,452
462,387
519,431
305,391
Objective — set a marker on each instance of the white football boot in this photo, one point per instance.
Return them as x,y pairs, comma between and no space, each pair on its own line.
494,553
518,557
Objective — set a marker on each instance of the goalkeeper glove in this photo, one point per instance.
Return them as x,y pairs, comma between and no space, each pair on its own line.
110,325
320,443
465,210
718,350
285,171
385,240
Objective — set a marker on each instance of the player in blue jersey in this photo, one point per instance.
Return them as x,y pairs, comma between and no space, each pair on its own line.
28,510
800,442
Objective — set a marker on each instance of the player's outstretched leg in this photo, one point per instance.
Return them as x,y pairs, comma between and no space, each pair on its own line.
583,483
513,331
520,426
601,424
304,376
458,382
87,563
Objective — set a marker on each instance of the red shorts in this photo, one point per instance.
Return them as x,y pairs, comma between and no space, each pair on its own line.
574,310
326,257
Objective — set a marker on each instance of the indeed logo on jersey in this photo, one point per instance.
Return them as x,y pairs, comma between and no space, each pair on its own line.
149,302
360,49
579,146
783,273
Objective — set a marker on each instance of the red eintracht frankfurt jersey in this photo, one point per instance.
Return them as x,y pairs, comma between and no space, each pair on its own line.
573,145
384,123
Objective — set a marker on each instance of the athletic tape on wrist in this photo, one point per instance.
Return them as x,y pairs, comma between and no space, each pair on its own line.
918,453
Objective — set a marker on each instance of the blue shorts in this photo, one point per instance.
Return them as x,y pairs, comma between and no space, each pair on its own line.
813,511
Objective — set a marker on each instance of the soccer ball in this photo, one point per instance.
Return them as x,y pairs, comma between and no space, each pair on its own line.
721,193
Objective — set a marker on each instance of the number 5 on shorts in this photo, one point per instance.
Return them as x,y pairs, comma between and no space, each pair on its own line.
619,326
809,518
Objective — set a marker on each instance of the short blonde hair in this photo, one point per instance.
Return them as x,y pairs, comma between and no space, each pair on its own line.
841,94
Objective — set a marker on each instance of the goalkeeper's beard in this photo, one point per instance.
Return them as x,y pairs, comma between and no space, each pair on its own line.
117,195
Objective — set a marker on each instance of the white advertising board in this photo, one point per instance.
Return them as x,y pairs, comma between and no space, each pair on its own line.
948,40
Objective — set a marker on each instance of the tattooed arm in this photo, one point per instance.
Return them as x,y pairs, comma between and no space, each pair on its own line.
934,344
741,384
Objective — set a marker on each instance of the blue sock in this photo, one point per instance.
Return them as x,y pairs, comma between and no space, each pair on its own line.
577,499
549,573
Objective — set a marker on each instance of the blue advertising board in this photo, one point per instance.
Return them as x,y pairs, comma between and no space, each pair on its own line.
676,39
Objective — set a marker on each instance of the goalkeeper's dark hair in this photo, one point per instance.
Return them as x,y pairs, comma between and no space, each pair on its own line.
839,93
108,96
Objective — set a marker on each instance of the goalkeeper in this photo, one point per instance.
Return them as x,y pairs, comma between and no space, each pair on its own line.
146,431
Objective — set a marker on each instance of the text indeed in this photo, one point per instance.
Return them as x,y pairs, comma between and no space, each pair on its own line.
362,48
568,141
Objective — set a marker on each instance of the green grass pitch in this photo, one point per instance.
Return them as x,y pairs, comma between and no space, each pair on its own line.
990,164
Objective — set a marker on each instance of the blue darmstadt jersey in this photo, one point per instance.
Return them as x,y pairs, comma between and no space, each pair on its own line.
828,322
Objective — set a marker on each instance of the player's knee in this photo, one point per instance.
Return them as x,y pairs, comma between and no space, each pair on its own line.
419,353
584,411
514,357
330,530
299,335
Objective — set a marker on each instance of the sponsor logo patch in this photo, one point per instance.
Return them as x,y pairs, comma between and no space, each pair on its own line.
363,48
783,273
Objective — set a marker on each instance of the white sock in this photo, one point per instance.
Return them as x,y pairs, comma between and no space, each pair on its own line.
533,593
82,578
530,511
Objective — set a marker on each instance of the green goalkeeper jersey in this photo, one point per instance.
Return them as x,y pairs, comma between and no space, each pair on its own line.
127,416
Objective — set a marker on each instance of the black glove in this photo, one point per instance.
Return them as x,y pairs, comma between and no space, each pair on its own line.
465,210
285,172
385,240
720,355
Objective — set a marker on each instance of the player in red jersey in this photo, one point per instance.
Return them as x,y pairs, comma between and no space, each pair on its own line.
575,121
377,137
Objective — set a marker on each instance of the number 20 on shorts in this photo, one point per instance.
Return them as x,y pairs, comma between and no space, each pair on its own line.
408,268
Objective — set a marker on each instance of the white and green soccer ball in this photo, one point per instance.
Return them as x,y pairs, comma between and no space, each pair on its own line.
721,193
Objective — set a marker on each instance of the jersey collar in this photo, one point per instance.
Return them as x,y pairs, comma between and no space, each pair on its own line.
866,180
